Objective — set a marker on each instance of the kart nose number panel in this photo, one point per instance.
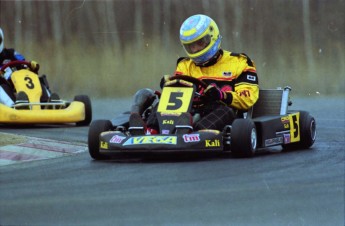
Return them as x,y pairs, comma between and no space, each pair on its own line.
175,99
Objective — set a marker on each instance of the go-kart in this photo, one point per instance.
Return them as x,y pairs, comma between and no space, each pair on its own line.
268,123
38,108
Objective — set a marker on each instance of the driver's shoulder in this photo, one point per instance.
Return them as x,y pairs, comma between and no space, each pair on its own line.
183,60
7,53
241,57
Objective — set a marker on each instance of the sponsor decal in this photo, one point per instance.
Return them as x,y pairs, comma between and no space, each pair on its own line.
245,93
212,143
286,122
287,138
251,78
170,122
274,141
227,73
165,131
104,145
187,138
117,139
151,140
285,119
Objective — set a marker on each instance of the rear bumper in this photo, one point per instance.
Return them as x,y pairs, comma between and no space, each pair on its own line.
75,112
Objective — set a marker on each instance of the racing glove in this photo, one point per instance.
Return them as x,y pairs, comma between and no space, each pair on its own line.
212,93
34,66
165,78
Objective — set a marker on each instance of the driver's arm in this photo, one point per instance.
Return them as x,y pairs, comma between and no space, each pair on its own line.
18,56
246,88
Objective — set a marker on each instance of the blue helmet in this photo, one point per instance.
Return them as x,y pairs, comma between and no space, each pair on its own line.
200,37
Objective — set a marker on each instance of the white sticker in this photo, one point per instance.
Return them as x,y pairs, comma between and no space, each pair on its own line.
251,78
8,73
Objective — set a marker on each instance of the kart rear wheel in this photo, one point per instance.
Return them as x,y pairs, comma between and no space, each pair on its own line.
243,138
96,128
307,132
88,109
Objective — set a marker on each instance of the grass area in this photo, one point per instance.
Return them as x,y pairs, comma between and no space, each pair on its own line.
109,71
8,139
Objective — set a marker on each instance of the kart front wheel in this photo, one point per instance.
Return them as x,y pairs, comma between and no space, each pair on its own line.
243,138
88,109
96,128
307,132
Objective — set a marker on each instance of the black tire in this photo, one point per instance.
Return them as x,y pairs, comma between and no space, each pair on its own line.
96,128
243,138
307,133
88,109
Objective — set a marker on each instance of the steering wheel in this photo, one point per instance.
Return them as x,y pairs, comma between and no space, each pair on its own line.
16,63
201,86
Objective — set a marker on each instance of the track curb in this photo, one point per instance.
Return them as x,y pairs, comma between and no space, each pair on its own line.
37,149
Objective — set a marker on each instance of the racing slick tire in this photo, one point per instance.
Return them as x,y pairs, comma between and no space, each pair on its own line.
88,109
307,132
243,138
96,128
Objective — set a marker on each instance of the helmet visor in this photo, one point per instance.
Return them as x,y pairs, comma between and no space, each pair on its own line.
198,45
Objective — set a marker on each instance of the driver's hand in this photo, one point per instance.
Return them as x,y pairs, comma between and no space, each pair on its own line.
165,78
212,93
34,66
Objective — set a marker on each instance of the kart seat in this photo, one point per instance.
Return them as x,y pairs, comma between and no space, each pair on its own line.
271,102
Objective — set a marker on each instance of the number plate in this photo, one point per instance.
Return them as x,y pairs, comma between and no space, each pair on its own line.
176,99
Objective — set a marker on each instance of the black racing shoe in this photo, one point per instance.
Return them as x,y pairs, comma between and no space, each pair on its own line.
22,97
22,100
137,126
54,97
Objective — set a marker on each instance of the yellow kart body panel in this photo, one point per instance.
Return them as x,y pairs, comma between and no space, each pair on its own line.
75,112
27,81
34,105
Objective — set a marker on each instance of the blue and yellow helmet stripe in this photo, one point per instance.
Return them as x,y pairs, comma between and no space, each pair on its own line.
197,27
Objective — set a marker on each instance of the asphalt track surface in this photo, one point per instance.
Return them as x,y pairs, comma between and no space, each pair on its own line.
303,187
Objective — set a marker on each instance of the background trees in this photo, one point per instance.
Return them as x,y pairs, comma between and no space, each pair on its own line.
290,40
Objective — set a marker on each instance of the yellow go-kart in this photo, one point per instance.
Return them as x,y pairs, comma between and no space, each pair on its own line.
38,106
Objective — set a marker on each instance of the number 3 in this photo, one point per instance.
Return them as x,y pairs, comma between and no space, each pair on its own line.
29,83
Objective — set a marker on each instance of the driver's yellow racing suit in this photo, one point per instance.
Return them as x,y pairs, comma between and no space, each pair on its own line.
235,74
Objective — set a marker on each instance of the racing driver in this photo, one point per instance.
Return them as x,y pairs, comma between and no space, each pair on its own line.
231,77
6,94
